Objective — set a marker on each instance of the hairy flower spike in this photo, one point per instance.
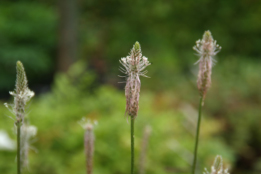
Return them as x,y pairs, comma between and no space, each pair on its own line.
133,67
206,48
21,95
217,167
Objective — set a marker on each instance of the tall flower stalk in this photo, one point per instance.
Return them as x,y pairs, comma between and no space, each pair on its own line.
22,95
27,133
133,67
206,48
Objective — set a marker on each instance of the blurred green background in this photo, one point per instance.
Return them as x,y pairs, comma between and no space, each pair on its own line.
71,51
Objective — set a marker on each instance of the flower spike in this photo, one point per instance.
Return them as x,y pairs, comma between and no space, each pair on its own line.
206,48
133,67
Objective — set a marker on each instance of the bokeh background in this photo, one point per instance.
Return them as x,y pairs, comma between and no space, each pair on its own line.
71,51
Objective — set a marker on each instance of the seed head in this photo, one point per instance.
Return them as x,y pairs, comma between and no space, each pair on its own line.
217,167
206,48
133,67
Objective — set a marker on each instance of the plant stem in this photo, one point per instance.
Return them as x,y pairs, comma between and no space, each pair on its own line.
132,145
18,125
197,136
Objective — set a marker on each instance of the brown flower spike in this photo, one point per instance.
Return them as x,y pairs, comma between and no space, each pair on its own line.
133,67
206,48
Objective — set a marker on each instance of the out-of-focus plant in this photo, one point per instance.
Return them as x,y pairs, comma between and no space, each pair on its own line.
88,144
28,132
217,167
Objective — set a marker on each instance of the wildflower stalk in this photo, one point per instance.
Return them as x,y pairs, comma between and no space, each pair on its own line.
18,125
206,48
197,135
132,145
133,67
21,95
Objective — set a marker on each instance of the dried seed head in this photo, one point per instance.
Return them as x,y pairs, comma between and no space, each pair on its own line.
206,48
21,95
217,167
133,67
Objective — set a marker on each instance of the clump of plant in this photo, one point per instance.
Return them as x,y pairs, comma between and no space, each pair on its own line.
133,67
22,95
206,48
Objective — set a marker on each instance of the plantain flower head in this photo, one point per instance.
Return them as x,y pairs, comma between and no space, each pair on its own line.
217,167
206,48
133,66
21,95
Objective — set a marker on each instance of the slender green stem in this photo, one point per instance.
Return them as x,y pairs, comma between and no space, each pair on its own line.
132,145
197,136
18,125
